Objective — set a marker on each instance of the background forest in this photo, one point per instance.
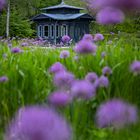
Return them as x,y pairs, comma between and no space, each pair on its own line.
21,13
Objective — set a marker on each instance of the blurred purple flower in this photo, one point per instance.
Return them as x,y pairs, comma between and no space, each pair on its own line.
57,67
4,55
38,123
103,82
103,54
112,33
2,3
106,71
88,37
115,113
3,79
135,67
82,89
63,79
66,39
76,57
110,15
16,50
91,77
121,4
10,45
85,47
98,37
59,98
24,44
64,54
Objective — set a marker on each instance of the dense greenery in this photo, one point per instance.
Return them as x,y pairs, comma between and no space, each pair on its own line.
20,16
30,83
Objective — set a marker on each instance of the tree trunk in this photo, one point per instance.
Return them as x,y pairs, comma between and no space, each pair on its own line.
8,19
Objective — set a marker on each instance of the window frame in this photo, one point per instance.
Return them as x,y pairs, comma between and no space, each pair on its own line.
66,30
40,31
44,31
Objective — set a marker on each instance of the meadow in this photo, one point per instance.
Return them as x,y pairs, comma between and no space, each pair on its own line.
30,83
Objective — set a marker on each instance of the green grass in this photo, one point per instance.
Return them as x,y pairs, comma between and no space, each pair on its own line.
30,83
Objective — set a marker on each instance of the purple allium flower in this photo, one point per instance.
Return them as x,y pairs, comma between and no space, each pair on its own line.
115,113
24,44
4,55
76,57
64,54
98,37
106,71
57,67
88,37
82,89
112,33
66,39
10,45
2,3
3,79
60,98
110,15
103,81
120,4
38,123
135,67
85,47
91,77
103,54
16,50
63,79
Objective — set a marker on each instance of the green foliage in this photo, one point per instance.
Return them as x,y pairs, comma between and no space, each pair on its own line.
21,12
19,26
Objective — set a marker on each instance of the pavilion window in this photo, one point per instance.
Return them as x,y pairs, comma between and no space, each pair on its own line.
46,30
40,31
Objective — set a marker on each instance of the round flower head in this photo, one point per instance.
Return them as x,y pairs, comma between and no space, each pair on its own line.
82,89
24,44
16,50
4,55
135,67
66,39
88,37
2,3
115,113
110,15
38,123
63,79
103,54
106,71
59,98
103,81
76,57
3,79
10,45
64,54
85,47
98,37
57,67
91,77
